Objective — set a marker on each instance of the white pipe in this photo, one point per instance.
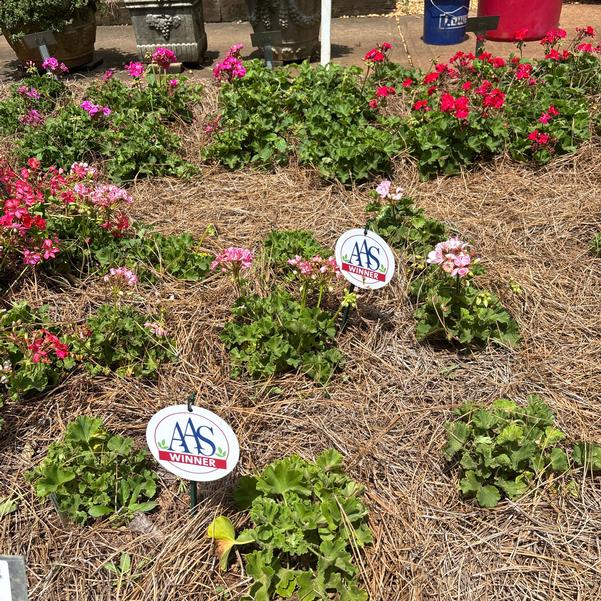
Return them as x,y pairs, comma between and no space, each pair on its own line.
326,31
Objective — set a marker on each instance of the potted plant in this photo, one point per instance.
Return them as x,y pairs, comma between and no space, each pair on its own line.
298,21
174,24
73,23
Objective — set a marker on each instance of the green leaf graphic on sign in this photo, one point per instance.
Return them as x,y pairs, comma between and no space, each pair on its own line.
162,444
220,452
383,269
345,257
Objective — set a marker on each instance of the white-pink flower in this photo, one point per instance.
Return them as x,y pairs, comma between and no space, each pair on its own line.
315,266
383,188
121,276
155,328
453,256
108,195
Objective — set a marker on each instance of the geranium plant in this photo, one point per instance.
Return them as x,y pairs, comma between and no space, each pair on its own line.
450,308
34,355
70,222
92,473
308,528
502,450
294,327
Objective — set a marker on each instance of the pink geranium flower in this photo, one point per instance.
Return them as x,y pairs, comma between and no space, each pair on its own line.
453,256
121,276
135,69
163,57
233,259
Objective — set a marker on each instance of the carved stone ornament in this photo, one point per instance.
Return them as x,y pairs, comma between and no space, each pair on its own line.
175,24
163,24
298,20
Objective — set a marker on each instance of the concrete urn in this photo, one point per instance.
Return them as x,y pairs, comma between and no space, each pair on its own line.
297,20
174,24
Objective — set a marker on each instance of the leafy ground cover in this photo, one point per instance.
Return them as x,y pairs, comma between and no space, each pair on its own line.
125,125
349,123
384,410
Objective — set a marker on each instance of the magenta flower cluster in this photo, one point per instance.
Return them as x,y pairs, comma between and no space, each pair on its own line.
28,92
163,57
231,68
52,65
95,110
135,69
453,256
32,117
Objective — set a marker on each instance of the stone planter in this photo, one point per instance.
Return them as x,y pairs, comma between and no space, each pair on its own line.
174,24
74,45
297,20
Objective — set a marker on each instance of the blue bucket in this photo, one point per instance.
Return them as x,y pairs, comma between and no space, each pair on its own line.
445,21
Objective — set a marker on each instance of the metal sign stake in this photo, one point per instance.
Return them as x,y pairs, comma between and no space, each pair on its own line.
479,26
267,40
193,485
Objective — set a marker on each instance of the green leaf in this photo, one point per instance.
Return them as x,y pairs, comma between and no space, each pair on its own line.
222,531
83,429
469,484
280,479
328,460
510,433
559,460
7,506
53,478
458,434
98,511
513,488
125,563
488,496
245,492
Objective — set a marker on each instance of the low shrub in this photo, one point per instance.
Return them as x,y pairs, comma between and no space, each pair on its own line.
277,333
504,449
452,309
34,356
322,114
122,340
126,126
30,101
72,224
308,526
280,246
348,124
448,306
92,473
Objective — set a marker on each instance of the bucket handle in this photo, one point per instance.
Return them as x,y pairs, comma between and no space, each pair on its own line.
445,12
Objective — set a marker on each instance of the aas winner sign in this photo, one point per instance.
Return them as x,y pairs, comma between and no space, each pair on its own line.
196,445
365,260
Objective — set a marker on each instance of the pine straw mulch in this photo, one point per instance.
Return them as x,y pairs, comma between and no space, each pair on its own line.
385,412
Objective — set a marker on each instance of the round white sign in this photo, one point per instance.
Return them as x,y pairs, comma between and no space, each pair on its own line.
196,445
364,259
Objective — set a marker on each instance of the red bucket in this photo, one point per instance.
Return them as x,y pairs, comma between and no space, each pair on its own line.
539,17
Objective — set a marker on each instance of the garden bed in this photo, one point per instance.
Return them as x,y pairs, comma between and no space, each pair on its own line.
385,411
